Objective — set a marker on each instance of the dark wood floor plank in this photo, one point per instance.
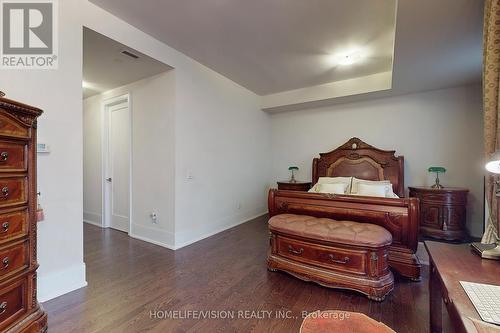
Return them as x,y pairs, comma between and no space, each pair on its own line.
128,279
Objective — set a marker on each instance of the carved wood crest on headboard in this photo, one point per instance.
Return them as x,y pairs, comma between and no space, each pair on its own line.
358,159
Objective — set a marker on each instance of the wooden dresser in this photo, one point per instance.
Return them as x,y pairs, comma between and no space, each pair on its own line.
19,309
442,212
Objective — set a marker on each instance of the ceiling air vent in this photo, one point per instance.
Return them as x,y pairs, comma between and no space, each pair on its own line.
130,54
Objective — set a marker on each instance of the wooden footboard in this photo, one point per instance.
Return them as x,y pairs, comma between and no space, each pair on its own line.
398,216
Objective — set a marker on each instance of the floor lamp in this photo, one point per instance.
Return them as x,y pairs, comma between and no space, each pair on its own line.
491,251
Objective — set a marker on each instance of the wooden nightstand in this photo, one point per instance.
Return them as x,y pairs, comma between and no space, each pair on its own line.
297,186
442,212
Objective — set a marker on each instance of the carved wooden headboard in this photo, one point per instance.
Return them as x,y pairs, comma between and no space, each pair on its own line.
358,159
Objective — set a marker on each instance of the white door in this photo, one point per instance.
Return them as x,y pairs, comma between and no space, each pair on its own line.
118,170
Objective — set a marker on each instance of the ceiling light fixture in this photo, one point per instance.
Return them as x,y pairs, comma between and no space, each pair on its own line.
346,58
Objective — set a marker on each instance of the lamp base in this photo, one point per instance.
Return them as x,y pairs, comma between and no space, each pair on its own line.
437,185
486,251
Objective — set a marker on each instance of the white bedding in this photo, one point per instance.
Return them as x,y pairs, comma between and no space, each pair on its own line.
354,186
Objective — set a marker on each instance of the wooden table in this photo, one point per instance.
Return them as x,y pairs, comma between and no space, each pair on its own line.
297,186
449,264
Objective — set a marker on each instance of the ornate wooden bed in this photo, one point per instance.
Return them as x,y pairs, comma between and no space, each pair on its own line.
399,216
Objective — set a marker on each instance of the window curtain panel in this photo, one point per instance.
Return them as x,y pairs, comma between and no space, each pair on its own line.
491,86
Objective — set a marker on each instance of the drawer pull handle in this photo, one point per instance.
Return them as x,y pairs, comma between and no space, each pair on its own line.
3,307
337,261
293,251
4,156
5,262
5,226
5,192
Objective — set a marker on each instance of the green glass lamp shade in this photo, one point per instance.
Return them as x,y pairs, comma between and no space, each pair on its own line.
293,168
437,169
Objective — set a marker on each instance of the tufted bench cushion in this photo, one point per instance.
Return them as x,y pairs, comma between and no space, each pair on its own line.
342,232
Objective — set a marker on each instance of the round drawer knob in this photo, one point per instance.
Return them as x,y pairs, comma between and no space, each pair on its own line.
3,307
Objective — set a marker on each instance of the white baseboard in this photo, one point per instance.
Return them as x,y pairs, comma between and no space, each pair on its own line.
153,235
92,218
216,231
145,239
58,283
93,223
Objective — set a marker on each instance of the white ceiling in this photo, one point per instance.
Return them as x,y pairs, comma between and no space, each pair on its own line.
438,44
270,46
106,68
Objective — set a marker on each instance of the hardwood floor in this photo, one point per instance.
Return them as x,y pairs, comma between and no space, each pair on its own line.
130,279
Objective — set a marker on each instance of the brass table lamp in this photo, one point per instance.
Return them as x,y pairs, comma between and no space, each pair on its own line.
437,170
293,169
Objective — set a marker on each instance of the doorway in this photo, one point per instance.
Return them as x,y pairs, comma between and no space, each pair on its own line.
124,92
116,163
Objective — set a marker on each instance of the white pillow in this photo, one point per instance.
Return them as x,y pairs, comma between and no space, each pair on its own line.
356,182
315,188
336,180
337,188
372,190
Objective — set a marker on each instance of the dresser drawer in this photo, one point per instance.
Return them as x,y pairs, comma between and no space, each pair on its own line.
13,258
13,157
13,224
439,197
13,191
350,260
13,299
445,198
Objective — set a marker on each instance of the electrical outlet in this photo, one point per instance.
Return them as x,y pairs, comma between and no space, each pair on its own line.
154,217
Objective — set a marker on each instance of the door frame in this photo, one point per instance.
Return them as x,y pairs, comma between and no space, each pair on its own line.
105,121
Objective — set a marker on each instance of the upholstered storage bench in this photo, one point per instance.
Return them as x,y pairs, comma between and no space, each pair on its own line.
335,254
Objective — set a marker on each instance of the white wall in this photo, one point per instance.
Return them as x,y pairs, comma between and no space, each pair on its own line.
153,107
222,140
153,166
441,127
58,93
204,99
92,160
223,145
